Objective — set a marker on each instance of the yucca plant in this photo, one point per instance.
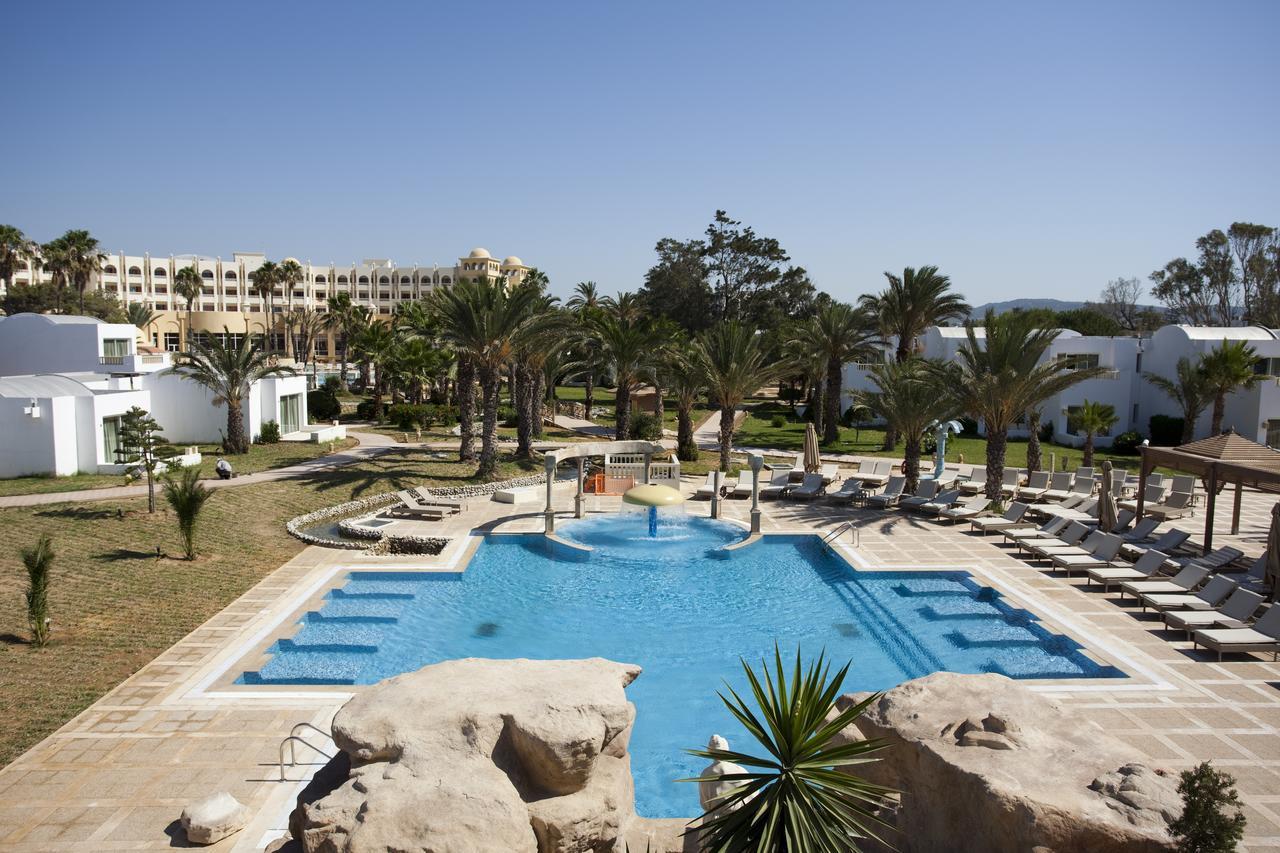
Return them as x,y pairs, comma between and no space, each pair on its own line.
38,560
800,797
187,496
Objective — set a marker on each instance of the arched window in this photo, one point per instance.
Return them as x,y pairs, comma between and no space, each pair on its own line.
404,279
445,280
320,279
109,269
206,274
158,272
135,271
342,279
229,275
364,279
382,279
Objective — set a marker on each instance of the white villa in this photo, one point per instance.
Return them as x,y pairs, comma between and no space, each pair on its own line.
65,381
1253,413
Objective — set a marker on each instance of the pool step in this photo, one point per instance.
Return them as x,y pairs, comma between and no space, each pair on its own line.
342,594
995,636
315,617
323,648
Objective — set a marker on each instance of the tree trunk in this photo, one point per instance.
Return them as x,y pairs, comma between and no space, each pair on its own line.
590,394
817,404
1188,427
831,420
342,377
1088,450
151,488
1033,441
491,387
726,437
659,406
377,398
537,401
236,442
524,412
622,412
996,442
1219,409
911,462
686,449
466,396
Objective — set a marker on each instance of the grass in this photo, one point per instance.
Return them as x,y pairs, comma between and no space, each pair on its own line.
115,606
260,457
443,434
758,431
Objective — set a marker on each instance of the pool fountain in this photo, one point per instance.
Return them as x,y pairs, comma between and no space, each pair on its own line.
651,497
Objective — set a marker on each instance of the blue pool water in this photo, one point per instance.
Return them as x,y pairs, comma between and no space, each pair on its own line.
683,609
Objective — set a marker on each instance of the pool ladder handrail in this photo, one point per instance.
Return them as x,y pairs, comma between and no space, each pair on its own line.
294,738
835,534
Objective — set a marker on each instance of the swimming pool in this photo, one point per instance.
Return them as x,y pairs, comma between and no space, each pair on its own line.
683,609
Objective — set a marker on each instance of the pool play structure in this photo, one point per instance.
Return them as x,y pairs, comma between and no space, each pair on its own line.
668,590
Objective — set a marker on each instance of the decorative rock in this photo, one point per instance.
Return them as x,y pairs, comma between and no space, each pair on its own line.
482,755
214,818
711,793
1042,777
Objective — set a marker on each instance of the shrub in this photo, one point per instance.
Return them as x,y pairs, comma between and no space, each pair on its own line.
777,421
405,416
1127,442
645,426
1204,825
968,426
186,495
790,394
364,410
270,433
323,405
1165,430
38,561
332,384
506,416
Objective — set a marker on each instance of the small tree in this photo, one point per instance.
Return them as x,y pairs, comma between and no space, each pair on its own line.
1226,368
1093,419
38,561
142,446
187,496
1190,390
1204,825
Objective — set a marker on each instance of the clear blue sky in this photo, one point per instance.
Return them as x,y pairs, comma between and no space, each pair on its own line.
1029,149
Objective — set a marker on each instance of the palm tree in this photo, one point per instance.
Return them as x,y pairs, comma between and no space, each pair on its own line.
801,359
339,320
584,303
78,259
228,371
15,248
289,275
483,320
56,258
687,384
1226,368
626,306
265,279
1189,390
541,336
376,345
913,302
911,396
186,496
1000,379
840,334
1093,418
141,315
187,285
735,363
626,346
38,562
1034,417
799,794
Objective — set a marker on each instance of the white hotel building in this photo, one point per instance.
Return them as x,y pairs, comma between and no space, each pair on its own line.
228,298
1253,412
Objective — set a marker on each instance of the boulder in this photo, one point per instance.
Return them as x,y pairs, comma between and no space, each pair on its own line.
214,818
482,755
985,764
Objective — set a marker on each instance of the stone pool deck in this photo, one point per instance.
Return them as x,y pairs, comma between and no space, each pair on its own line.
117,776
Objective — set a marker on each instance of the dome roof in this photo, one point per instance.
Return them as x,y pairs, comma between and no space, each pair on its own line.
479,253
287,260
512,261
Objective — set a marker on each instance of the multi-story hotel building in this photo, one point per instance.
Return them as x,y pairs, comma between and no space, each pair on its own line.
228,299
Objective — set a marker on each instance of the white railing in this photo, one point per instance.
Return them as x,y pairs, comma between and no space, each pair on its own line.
666,473
624,459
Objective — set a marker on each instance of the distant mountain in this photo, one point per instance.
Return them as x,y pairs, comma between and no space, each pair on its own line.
1024,304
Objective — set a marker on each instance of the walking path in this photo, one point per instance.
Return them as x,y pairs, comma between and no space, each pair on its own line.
581,426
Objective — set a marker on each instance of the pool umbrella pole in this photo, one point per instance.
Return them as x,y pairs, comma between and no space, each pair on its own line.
1106,501
812,462
1273,551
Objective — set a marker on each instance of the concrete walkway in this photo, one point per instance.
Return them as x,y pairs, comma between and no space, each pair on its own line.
584,427
371,445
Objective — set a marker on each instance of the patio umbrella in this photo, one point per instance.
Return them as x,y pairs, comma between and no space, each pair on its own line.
811,460
1273,550
1106,501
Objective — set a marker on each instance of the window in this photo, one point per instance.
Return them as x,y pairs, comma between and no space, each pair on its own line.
298,294
229,275
1273,433
1078,361
364,294
342,279
290,413
111,440
1072,411
320,279
384,294
206,274
277,342
109,269
159,272
382,279
135,271
160,288
171,342
404,279
364,279
444,280
230,291
114,350
207,306
1267,367
322,346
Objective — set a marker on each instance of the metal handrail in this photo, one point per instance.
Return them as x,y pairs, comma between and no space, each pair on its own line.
830,537
294,731
290,740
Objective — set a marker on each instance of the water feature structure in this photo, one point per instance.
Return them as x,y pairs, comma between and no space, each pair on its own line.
651,497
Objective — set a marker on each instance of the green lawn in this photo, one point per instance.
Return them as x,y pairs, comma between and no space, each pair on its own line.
758,431
260,457
115,605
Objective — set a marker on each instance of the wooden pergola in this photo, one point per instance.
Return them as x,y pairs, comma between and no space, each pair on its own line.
1218,461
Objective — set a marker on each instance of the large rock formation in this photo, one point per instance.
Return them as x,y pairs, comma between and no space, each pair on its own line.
985,764
469,756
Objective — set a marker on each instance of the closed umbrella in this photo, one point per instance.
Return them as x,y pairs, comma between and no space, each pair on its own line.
812,462
1106,501
1273,551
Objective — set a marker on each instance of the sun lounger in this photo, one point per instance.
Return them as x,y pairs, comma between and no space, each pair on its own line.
1168,542
848,489
1123,519
427,499
1187,579
414,508
1152,496
779,480
708,489
1207,597
1086,511
1235,613
970,507
950,475
944,501
874,472
1086,472
1059,487
1149,565
1012,518
1050,529
1084,548
1214,560
830,473
1071,535
1037,485
742,488
810,487
1141,530
1011,482
1101,556
926,490
890,496
1264,636
1255,577
1176,505
1082,484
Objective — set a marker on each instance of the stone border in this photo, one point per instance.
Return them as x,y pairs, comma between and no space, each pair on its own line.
295,525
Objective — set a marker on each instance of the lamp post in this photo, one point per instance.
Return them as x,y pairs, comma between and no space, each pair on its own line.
757,462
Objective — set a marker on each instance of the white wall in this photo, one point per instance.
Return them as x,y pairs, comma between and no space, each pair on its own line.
32,343
30,445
